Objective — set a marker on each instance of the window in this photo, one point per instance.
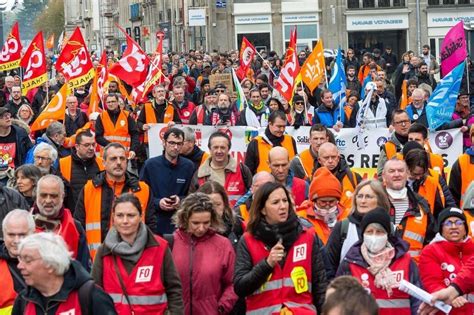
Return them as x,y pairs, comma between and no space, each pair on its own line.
464,2
448,1
352,4
398,3
384,3
433,2
368,3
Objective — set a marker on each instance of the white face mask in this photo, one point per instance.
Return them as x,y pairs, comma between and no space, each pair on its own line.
329,215
375,243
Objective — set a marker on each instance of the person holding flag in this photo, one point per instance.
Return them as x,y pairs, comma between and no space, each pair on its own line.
329,114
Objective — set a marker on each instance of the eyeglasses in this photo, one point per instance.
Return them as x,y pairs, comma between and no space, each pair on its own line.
220,90
6,116
27,259
456,223
366,196
175,144
42,158
402,122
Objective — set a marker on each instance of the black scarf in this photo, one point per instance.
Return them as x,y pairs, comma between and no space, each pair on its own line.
402,139
276,141
288,231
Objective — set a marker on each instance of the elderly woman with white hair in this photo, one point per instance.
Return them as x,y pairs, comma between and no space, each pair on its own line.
56,284
45,156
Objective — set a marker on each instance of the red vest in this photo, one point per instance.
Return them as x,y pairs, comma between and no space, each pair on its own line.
144,287
234,185
68,231
281,288
8,295
399,302
185,113
70,306
298,189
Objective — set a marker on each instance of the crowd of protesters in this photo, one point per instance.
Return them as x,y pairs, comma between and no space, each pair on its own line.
92,224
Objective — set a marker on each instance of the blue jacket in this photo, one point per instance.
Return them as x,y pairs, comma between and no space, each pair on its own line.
166,179
328,117
421,119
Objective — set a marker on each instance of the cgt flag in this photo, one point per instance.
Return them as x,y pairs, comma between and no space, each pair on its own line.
74,62
314,67
289,71
133,66
247,52
54,111
442,102
34,62
97,92
153,76
10,56
453,49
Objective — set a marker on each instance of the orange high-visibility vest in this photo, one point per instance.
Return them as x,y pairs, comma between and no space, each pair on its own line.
467,172
151,118
65,166
7,298
119,131
415,233
264,148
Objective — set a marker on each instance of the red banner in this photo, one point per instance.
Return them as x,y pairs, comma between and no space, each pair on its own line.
133,66
97,93
247,52
75,62
290,70
34,62
10,56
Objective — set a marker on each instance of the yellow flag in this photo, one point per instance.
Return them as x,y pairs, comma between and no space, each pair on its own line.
313,68
54,111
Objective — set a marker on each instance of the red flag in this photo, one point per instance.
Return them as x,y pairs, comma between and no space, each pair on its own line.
290,70
75,62
10,56
34,62
97,93
247,52
154,75
132,67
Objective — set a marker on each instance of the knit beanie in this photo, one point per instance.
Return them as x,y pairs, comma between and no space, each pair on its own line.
451,212
324,184
378,215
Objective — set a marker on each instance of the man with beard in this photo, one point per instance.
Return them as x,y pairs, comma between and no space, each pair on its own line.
45,156
353,83
390,59
51,216
425,77
417,109
430,60
256,114
16,101
222,115
116,125
172,184
94,205
201,112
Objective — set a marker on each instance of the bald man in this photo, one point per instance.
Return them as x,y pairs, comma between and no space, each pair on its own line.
329,156
279,163
242,206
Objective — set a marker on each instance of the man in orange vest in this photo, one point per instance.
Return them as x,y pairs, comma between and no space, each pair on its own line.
279,163
305,164
116,125
274,136
81,165
419,133
409,211
157,111
401,124
51,216
17,224
330,157
94,204
323,209
462,172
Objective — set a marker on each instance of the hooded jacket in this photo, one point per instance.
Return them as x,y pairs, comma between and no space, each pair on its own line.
100,302
440,262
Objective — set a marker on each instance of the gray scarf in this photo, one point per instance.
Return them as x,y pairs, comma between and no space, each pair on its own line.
121,248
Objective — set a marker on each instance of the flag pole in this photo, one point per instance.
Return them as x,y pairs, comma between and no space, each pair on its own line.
263,59
467,76
305,103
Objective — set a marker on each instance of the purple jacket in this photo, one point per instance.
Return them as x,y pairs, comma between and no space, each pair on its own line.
469,122
206,268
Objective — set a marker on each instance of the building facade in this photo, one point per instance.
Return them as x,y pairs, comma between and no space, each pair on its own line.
220,25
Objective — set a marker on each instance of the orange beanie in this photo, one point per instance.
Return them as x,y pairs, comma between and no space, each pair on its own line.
324,184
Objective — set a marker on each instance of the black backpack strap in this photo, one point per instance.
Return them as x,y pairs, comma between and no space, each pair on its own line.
344,229
170,239
85,296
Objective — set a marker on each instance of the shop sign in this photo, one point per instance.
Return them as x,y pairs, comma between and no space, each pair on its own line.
448,19
253,19
300,18
375,23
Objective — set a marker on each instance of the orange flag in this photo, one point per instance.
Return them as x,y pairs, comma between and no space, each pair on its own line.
34,62
75,62
54,111
50,42
10,56
404,98
97,93
313,68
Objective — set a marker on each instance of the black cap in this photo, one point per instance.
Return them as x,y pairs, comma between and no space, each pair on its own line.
378,215
220,86
204,81
451,212
411,145
297,98
211,92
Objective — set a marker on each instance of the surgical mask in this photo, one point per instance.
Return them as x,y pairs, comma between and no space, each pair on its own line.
329,215
375,243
